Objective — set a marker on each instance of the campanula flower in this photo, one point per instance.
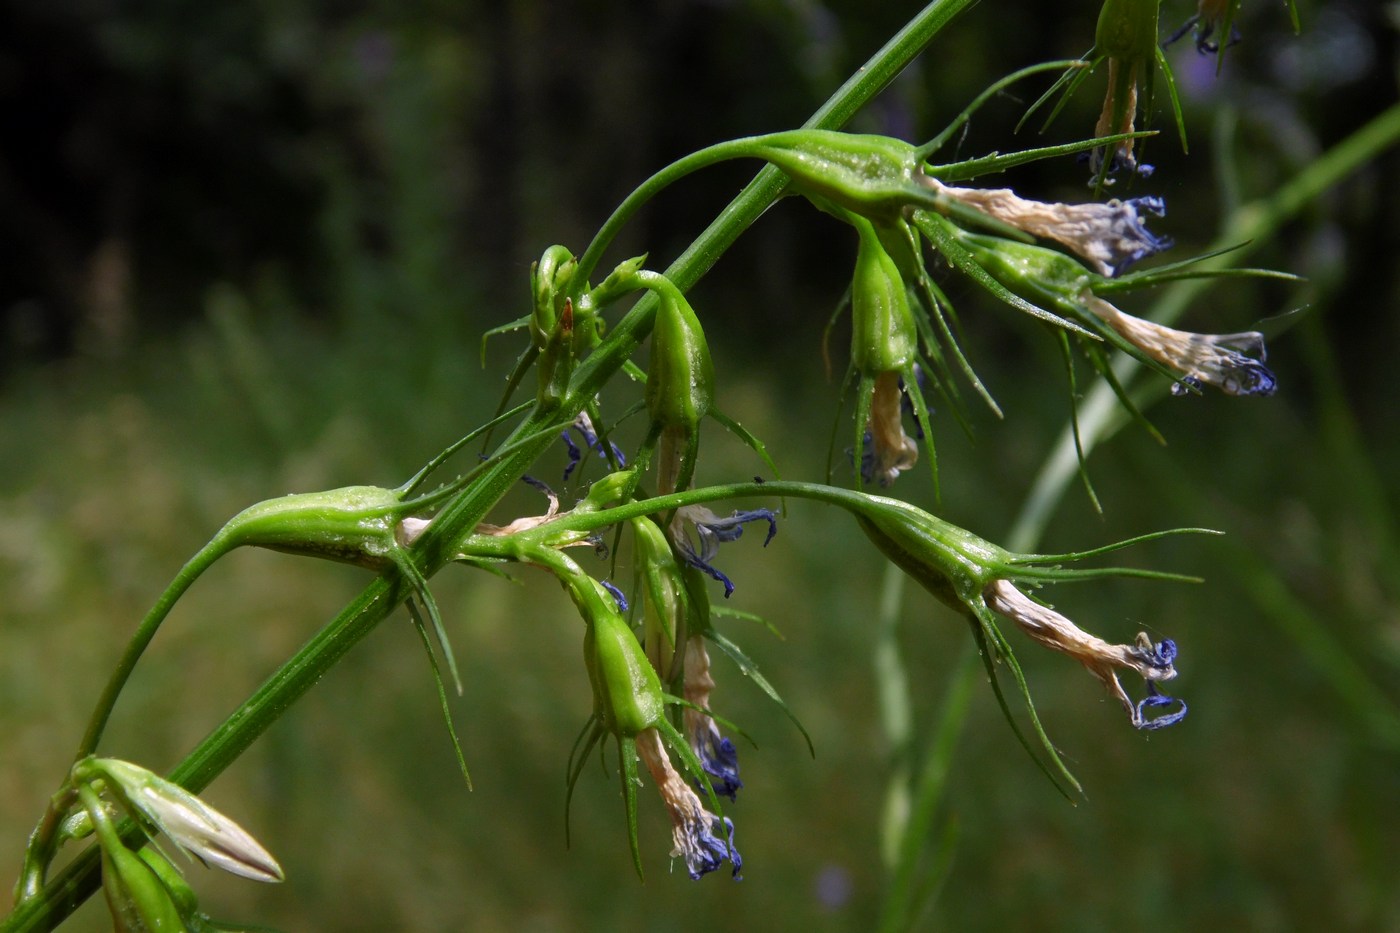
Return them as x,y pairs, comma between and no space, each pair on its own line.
1110,236
711,530
1154,663
700,837
1225,361
1125,38
717,753
979,579
628,705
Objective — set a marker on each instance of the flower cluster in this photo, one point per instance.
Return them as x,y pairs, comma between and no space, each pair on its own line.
646,650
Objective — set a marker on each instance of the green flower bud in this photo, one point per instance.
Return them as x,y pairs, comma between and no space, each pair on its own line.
627,695
884,337
553,325
952,564
549,279
874,176
621,281
680,378
1035,272
354,524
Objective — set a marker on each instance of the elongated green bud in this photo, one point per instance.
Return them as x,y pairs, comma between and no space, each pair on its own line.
626,691
884,337
552,326
354,524
874,176
549,278
680,378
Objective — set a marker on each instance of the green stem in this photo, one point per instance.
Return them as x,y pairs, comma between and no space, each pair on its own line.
719,152
80,878
196,565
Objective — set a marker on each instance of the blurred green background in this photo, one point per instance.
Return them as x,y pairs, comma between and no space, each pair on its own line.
251,249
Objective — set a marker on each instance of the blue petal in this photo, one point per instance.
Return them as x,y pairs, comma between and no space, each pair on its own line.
706,852
719,758
616,595
590,440
1136,240
1154,699
714,531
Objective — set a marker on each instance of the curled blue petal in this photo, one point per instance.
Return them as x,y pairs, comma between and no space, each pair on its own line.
1248,377
1160,656
584,426
712,531
1155,699
705,850
1132,240
616,594
732,528
699,563
575,455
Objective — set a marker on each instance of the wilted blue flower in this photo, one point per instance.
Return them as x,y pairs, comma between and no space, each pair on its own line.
1225,361
1111,236
700,837
713,531
1154,662
1126,38
717,754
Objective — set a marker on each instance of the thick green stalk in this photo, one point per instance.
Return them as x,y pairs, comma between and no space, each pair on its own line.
80,878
